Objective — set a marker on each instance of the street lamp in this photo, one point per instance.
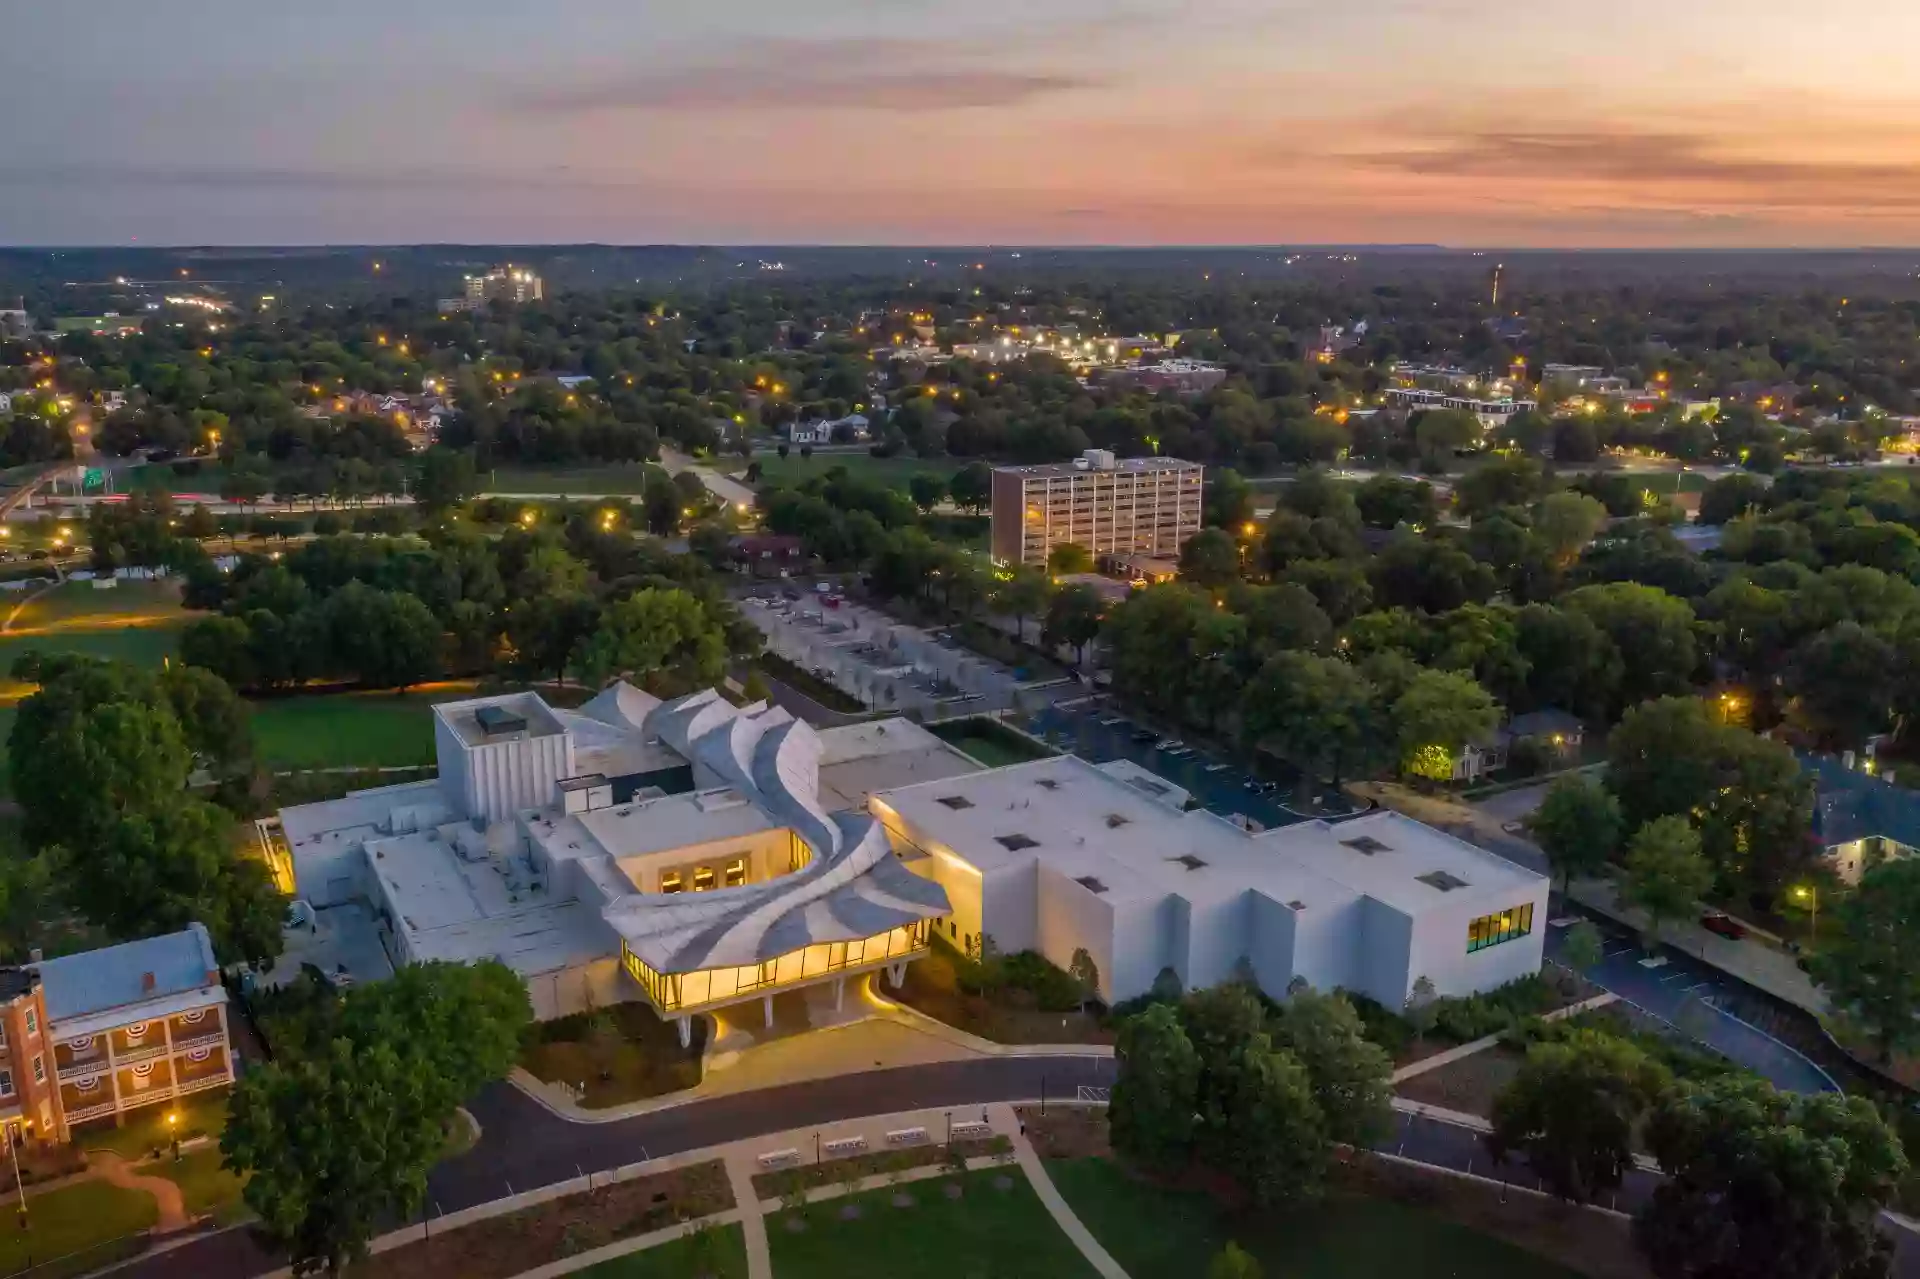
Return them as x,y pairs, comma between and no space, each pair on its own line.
173,1132
1809,897
12,1138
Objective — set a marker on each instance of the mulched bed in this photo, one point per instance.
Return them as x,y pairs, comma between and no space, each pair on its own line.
1468,1085
834,1172
501,1247
1066,1132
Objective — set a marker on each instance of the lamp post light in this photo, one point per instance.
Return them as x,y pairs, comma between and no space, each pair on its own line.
173,1132
13,1149
1810,896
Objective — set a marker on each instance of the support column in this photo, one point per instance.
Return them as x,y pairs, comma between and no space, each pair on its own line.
113,1078
839,992
173,1069
897,974
766,1011
686,1031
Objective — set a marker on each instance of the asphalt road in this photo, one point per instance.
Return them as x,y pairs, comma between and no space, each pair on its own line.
524,1146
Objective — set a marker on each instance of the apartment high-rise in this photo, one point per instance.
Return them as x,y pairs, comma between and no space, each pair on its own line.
504,284
1132,506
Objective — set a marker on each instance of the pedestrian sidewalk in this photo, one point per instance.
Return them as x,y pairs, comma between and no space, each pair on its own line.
1451,1055
1057,1207
1763,966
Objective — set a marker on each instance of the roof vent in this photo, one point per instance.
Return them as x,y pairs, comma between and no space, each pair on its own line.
1296,905
1116,820
1014,843
1091,884
955,802
1188,860
1445,881
147,983
1047,783
1367,844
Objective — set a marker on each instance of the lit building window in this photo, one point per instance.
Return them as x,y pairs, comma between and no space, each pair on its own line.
1508,925
670,882
702,878
737,872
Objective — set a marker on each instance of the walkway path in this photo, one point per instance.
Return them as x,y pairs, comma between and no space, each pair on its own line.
166,1194
1063,1215
1454,1054
753,1224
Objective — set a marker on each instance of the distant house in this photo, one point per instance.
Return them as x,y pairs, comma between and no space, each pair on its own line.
821,431
1860,818
766,554
1555,731
572,381
6,402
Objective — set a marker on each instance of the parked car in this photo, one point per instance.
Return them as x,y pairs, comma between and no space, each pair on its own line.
1723,924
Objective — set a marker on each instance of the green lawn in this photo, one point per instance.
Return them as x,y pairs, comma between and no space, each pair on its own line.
204,1184
1156,1233
336,730
146,1130
71,1219
988,742
894,471
629,478
717,1253
134,621
986,1233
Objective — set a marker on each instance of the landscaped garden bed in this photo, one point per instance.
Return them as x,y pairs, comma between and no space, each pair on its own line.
989,741
614,1055
501,1247
1011,1002
836,1172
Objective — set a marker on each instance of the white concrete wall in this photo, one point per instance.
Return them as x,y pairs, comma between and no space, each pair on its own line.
1010,907
1439,945
1138,951
1330,945
1218,940
566,991
1272,943
450,753
1073,916
330,872
1176,933
1385,937
504,777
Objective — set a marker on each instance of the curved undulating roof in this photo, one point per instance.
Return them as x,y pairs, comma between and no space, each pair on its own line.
852,887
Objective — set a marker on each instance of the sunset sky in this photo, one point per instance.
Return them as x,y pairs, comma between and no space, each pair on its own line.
1462,122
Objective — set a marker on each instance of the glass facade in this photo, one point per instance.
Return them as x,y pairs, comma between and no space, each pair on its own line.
681,992
1508,925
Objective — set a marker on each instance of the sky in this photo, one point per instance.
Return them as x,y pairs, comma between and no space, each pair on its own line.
1555,123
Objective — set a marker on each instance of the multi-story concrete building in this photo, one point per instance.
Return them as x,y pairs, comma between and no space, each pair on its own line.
95,1035
1142,505
1060,855
507,283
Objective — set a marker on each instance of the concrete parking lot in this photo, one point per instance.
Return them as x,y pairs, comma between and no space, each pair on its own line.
883,662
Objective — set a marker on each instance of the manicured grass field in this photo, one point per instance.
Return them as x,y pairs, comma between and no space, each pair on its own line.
134,621
720,1253
894,471
145,1131
628,478
204,1184
338,730
1155,1233
73,1218
989,743
987,1231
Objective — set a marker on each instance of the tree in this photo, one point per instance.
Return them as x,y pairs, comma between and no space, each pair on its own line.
1270,1136
1085,974
1210,558
1583,947
927,491
1423,1007
78,763
388,639
1505,481
1652,631
1318,712
1573,1110
1762,1184
663,636
1438,714
222,645
1352,1076
1566,522
1155,1089
1022,595
1838,680
1387,501
1666,873
1869,963
445,479
1441,433
1577,826
972,487
1068,558
1231,1262
1073,617
333,1149
1228,502
464,1021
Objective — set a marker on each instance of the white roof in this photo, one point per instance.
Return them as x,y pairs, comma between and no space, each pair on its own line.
1073,816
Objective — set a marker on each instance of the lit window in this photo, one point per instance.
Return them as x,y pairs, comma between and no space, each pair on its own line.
670,882
702,879
6,1083
39,1069
1508,925
33,1022
737,873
